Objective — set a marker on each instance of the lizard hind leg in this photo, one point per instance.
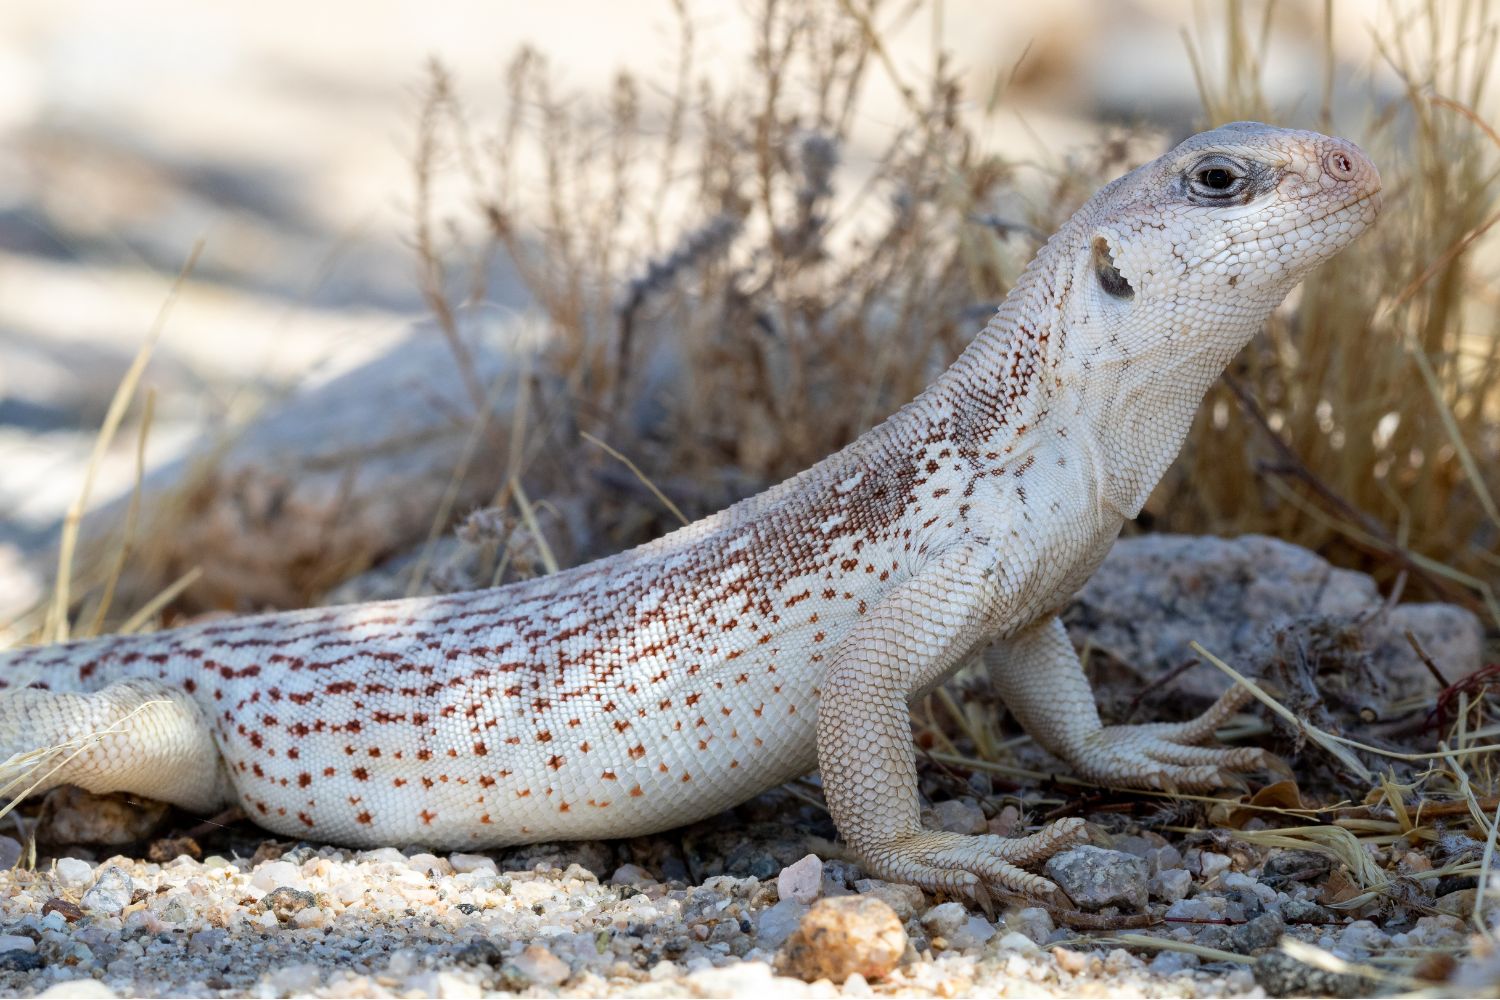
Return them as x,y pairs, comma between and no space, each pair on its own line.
138,736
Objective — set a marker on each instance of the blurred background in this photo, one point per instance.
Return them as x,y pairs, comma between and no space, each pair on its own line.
349,173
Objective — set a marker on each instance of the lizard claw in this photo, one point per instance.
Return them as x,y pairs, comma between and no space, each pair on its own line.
1165,756
968,865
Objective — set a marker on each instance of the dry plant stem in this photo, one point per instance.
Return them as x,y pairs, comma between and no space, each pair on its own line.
56,628
1294,466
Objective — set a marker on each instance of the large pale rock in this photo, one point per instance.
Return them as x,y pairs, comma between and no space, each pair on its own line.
1155,594
319,487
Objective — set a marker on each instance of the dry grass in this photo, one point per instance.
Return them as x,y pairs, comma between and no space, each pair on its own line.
726,306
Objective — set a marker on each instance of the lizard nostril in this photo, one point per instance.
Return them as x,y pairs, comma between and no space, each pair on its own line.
1340,165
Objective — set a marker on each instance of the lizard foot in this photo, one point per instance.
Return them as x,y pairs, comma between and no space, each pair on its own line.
1166,755
968,865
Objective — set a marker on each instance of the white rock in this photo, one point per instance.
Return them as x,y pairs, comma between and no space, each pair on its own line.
802,881
1016,941
1213,864
73,872
1171,884
78,989
1032,921
542,967
630,875
741,979
297,979
16,942
465,864
945,918
275,874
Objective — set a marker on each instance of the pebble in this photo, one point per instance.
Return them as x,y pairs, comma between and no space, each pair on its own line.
801,881
1200,908
907,900
538,965
779,922
1171,884
957,816
275,874
839,937
1212,863
77,989
286,903
469,864
1032,921
1015,941
16,942
1095,878
10,852
110,894
73,872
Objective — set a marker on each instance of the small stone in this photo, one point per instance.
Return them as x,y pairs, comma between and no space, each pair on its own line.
1160,859
631,875
1171,885
275,874
295,980
741,979
907,900
801,881
468,864
16,942
1362,935
110,894
1199,909
1249,938
21,960
78,989
1295,866
1070,961
1213,864
73,872
538,965
286,902
777,923
945,919
1169,963
1015,942
428,864
1032,921
1458,904
839,937
1004,822
1095,878
956,816
10,853
171,848
1281,975
1305,911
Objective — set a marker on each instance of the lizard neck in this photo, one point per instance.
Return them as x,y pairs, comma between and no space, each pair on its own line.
1037,364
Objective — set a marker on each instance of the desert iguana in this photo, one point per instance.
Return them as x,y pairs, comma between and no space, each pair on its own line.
788,632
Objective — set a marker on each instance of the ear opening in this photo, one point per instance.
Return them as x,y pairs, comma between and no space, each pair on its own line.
1109,277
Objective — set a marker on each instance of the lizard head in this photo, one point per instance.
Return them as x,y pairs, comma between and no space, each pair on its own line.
1187,255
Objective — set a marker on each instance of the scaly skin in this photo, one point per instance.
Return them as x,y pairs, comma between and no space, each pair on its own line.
790,631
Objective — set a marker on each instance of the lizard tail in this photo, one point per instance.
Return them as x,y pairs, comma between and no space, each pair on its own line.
138,736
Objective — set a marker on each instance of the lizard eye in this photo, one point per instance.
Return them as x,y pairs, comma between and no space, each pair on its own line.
1217,178
1109,276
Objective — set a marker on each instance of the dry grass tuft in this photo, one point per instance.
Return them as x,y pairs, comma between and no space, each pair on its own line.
727,305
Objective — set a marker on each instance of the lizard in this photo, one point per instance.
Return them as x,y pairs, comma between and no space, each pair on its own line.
790,631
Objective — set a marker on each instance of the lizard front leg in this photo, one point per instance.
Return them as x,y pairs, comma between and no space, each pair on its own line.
865,752
1041,681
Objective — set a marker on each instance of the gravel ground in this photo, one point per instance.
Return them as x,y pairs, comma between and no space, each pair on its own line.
732,907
